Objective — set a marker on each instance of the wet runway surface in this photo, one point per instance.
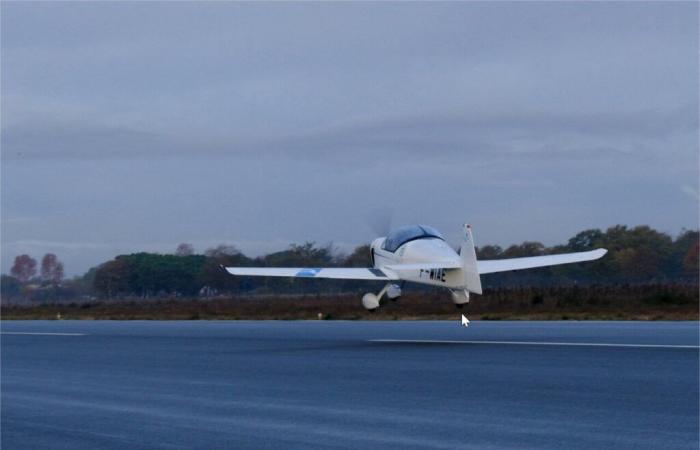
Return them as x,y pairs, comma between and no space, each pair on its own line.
272,384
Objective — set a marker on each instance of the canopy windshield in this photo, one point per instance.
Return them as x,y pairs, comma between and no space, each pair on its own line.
400,236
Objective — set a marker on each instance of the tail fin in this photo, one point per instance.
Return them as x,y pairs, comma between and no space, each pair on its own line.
469,265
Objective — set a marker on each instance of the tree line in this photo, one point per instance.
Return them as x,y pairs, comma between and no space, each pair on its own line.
600,302
637,255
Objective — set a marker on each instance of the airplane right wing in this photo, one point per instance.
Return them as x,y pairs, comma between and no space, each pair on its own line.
504,265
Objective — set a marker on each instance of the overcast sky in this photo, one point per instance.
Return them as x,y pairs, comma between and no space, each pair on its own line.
137,126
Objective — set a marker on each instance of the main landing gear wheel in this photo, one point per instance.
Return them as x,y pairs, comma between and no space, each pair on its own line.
393,292
370,302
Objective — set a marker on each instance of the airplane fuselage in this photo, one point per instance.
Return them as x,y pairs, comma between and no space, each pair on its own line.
422,252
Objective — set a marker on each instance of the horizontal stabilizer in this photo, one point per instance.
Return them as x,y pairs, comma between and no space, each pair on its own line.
504,265
349,273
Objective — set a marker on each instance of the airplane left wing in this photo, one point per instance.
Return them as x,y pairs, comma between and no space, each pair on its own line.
504,265
425,266
338,273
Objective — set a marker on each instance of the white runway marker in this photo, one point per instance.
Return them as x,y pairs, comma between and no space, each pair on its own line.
26,333
560,344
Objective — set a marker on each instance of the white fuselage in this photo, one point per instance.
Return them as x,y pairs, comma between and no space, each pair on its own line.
425,251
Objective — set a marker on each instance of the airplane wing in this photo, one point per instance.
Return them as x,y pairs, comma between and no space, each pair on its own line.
504,265
389,272
425,266
350,273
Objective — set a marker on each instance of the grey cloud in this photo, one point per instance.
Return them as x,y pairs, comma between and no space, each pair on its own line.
691,191
450,129
142,125
37,141
474,133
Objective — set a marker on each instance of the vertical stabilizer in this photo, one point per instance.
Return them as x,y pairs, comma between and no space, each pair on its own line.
467,252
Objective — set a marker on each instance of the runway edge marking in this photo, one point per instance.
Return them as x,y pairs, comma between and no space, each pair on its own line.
28,333
560,344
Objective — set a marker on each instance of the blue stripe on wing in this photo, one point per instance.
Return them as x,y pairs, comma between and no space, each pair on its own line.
311,272
377,272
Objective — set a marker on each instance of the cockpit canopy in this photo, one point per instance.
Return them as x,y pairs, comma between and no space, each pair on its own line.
400,236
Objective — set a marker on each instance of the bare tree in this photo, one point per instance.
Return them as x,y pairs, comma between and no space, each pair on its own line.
24,268
184,249
51,269
222,250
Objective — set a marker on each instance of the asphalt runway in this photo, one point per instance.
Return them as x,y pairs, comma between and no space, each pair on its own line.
274,384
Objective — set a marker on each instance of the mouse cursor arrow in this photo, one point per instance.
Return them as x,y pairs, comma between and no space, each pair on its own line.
465,321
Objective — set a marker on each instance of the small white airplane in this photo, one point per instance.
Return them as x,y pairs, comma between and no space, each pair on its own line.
419,254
